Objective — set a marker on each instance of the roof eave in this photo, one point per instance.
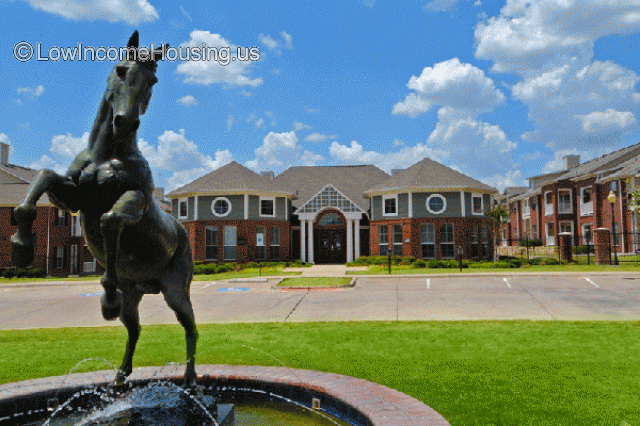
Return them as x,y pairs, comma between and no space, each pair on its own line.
373,192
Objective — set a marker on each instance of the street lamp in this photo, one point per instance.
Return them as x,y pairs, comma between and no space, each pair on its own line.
612,200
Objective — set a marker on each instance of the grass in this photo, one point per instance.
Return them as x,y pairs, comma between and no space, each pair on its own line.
406,269
47,279
474,373
314,282
245,273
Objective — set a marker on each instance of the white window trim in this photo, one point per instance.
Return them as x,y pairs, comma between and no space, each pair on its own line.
273,200
387,197
481,204
582,204
570,201
526,208
444,204
213,203
548,211
186,201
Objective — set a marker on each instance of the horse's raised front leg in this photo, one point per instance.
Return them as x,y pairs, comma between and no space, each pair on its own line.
128,210
23,242
131,320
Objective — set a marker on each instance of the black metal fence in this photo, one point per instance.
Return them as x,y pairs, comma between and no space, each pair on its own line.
625,247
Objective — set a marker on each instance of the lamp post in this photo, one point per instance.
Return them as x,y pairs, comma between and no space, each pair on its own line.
612,200
460,254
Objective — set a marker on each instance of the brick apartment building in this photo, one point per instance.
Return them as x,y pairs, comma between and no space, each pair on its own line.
575,200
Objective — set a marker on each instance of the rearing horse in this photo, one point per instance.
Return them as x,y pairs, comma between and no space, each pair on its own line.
143,249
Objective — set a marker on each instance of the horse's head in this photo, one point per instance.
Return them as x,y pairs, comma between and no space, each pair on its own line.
129,88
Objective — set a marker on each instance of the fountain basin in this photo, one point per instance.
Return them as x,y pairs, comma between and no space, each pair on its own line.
355,401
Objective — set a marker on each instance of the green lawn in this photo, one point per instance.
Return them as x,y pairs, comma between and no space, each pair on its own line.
49,279
474,373
245,273
314,282
406,269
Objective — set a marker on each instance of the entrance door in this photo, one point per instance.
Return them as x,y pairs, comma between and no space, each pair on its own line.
330,246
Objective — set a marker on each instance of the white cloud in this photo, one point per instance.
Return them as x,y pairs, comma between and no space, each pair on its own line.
281,150
230,122
246,93
355,154
533,34
511,178
609,120
4,138
271,43
413,105
187,100
319,137
478,148
368,3
234,74
259,123
585,155
185,13
64,149
33,93
451,84
132,12
288,40
297,126
181,158
441,5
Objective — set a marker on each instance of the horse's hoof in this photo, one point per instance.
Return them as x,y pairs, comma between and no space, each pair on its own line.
111,311
121,378
22,250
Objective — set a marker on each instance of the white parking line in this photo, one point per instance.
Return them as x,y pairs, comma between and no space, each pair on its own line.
591,282
507,281
428,283
203,287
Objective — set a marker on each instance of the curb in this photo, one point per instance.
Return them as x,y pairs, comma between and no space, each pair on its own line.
351,284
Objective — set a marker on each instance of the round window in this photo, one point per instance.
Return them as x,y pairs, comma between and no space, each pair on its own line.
436,203
221,206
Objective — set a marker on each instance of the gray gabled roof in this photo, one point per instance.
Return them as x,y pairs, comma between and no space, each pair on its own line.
14,183
606,162
511,191
351,181
625,170
429,175
231,178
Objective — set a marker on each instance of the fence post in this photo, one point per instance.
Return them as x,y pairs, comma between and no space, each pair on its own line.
566,247
602,246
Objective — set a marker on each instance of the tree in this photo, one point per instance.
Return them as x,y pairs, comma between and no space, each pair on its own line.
497,215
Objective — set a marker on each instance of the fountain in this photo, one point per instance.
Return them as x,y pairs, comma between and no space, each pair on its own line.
146,251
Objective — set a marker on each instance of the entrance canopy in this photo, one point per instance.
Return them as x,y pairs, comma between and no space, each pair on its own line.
329,196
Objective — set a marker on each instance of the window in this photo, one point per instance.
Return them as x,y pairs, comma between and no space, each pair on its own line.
61,218
211,242
474,241
260,242
390,205
74,260
534,204
567,227
230,242
76,229
534,232
275,243
586,201
485,239
587,234
551,238
383,239
476,202
397,240
503,236
221,207
526,212
446,240
564,201
330,219
267,206
548,203
183,211
428,237
59,257
436,203
614,186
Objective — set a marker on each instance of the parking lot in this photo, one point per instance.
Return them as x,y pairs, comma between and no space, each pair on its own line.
534,297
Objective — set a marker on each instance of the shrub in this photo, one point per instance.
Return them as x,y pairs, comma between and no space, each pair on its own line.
435,264
36,273
530,243
419,264
9,273
21,273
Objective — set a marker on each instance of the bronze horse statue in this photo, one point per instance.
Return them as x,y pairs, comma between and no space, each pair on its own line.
142,248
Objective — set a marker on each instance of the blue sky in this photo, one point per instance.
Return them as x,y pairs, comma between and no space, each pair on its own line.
500,91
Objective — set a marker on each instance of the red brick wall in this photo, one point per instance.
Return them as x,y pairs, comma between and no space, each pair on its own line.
462,229
245,229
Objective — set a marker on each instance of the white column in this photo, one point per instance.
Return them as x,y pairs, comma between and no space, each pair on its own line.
311,241
303,239
195,208
410,201
358,238
246,206
463,208
349,240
